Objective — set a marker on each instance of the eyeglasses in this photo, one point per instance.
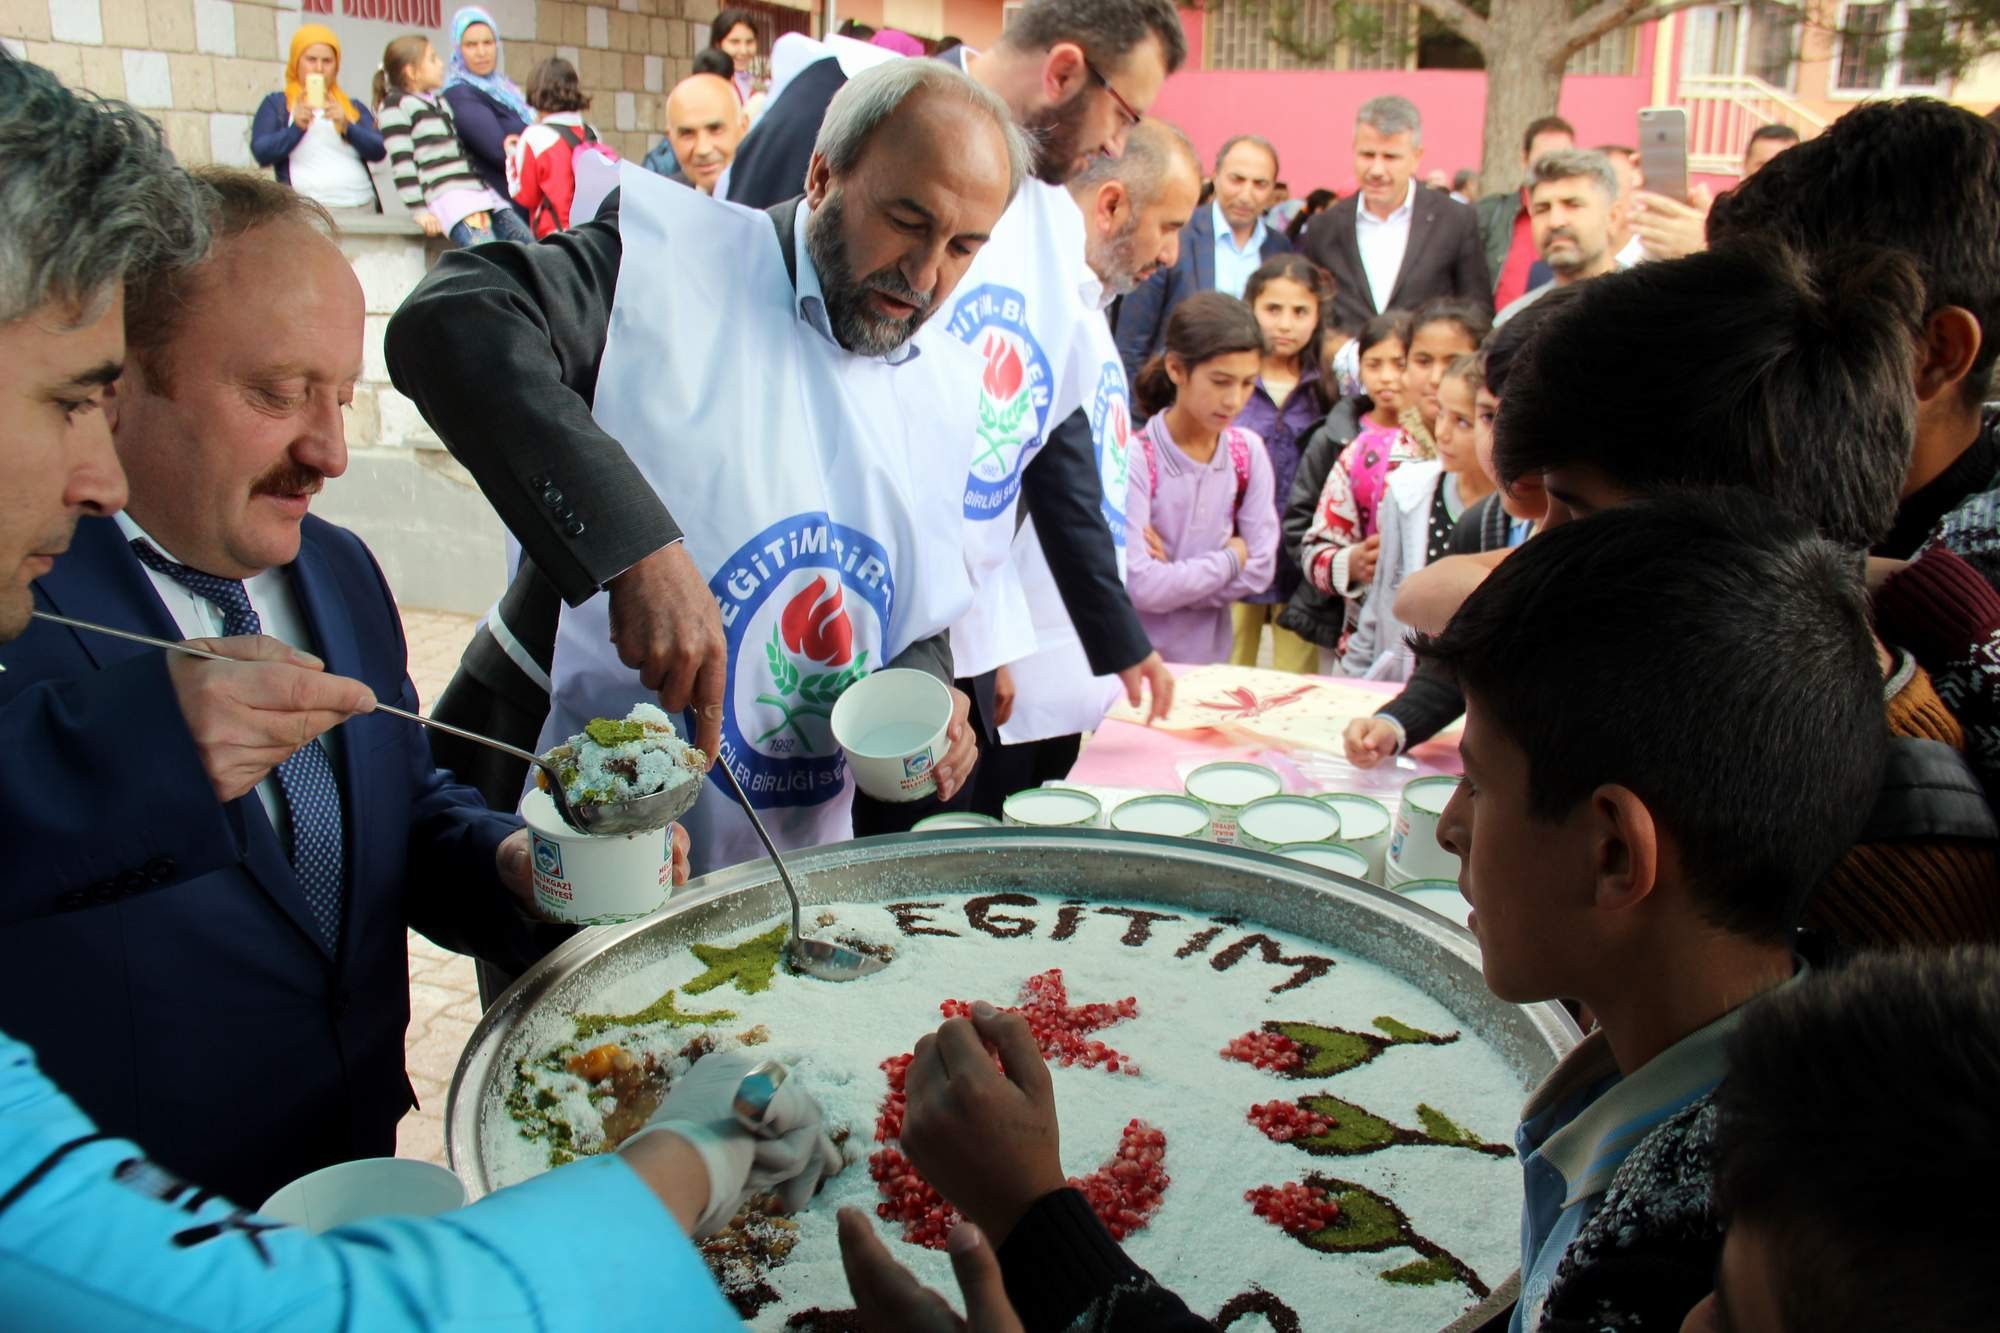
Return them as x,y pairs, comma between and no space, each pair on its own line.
1116,96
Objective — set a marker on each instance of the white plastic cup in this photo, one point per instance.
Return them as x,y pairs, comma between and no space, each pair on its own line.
951,819
1169,816
1365,825
1328,856
1440,896
1225,788
1051,807
591,879
360,1191
1279,821
1415,845
891,726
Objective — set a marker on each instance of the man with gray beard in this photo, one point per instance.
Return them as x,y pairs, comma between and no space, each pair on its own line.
761,375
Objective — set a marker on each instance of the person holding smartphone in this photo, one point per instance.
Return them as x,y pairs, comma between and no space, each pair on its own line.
313,136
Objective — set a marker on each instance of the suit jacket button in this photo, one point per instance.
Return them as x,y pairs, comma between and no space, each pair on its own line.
160,869
574,529
552,497
71,899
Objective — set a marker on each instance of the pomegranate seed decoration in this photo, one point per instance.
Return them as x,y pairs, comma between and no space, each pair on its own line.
1061,1029
1266,1050
1281,1122
1124,1193
1299,1209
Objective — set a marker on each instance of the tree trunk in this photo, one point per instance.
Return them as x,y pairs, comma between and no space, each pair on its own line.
1524,74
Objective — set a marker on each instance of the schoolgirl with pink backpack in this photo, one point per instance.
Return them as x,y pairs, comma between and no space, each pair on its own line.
542,160
1199,496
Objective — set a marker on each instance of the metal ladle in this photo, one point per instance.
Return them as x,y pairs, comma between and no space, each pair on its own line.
640,815
816,958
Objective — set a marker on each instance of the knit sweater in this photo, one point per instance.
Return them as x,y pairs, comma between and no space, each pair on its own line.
425,156
1948,617
1929,891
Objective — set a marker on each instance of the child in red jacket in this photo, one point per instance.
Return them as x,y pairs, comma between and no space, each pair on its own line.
541,171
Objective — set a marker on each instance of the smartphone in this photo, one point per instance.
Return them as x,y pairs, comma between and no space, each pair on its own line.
1663,150
316,91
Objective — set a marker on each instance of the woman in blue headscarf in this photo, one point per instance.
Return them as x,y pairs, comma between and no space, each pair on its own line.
487,106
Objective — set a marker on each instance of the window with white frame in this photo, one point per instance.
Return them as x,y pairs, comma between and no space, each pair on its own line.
1872,39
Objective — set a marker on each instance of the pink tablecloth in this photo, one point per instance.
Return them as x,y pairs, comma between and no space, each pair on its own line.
1124,755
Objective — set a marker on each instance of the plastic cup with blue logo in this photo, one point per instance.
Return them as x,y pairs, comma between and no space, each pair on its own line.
891,727
595,879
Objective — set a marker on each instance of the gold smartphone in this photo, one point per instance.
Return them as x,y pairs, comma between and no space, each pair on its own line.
316,91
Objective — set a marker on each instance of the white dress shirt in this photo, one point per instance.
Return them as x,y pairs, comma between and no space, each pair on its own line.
1383,242
271,597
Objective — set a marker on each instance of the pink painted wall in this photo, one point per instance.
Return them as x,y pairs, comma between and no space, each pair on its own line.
1309,114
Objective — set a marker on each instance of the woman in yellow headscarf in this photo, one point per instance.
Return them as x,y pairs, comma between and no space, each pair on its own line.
312,135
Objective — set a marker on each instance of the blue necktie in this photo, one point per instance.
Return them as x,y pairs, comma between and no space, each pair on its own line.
312,797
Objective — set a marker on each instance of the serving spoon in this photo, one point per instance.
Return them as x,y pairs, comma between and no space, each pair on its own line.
640,815
816,958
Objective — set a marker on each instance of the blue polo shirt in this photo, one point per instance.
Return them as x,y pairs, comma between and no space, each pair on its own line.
1580,1126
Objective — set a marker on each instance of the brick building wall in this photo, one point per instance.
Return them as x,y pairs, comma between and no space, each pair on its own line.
200,67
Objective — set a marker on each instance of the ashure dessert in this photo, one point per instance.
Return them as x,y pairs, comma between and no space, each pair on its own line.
623,759
1272,1126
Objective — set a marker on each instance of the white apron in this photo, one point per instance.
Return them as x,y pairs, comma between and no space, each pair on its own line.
1055,693
813,485
1017,308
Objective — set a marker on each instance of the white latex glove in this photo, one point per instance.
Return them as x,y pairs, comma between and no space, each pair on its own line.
699,1108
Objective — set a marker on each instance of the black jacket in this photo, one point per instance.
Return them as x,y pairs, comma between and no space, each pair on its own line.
1444,258
1312,614
1431,699
770,164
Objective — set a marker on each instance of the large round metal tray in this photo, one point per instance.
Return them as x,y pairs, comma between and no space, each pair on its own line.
1437,957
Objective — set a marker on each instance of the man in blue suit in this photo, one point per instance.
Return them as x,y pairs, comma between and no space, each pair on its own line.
1221,246
205,921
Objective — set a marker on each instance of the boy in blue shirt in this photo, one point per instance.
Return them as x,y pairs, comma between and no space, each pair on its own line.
1659,768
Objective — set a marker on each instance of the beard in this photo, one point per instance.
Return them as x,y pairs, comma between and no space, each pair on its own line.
856,326
1057,133
1115,259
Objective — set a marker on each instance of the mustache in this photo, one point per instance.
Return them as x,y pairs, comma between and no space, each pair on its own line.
889,282
289,478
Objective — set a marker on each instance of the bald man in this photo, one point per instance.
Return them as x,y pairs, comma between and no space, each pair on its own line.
704,124
1135,206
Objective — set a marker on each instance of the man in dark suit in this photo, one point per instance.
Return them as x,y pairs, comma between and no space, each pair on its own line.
1221,246
1394,245
205,944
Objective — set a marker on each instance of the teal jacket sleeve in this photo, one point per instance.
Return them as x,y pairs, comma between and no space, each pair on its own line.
94,1237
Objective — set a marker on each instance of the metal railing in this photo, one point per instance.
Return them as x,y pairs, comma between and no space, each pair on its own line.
1725,109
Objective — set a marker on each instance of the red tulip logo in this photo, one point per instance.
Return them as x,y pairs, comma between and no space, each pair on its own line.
1004,371
818,630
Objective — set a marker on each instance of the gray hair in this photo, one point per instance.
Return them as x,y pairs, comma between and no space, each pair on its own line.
1150,151
1108,30
1256,140
89,196
1391,114
1573,163
871,97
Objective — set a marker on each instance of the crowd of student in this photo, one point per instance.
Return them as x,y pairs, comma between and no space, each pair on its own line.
1704,548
